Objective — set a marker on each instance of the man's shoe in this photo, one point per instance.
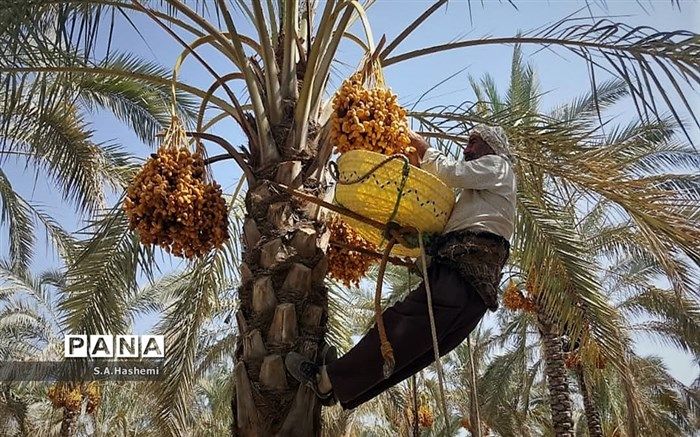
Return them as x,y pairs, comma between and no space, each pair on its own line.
328,354
307,373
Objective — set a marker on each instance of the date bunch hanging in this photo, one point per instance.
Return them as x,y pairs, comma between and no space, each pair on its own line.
345,264
425,414
173,203
426,418
70,396
572,360
514,299
367,116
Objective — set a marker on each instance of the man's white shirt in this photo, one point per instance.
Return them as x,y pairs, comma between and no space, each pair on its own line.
485,192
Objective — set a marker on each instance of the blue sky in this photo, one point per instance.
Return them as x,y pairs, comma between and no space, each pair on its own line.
561,76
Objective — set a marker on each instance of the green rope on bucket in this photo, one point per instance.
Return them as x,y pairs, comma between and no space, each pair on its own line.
335,174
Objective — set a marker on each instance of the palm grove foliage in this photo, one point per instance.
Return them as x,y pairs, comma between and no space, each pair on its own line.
638,180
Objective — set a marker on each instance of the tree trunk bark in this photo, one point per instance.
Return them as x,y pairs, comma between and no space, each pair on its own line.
69,422
592,416
414,407
559,396
17,406
474,415
283,308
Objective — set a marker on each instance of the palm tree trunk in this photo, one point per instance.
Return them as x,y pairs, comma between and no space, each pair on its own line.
16,406
559,396
592,416
414,407
69,422
283,308
474,415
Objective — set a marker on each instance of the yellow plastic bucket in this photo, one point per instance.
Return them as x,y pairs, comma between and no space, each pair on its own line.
426,202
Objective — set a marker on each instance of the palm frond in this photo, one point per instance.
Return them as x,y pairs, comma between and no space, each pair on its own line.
59,142
677,318
340,316
216,353
16,215
650,62
56,236
590,104
182,324
144,106
103,275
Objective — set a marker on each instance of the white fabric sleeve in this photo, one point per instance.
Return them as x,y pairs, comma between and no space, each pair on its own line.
479,174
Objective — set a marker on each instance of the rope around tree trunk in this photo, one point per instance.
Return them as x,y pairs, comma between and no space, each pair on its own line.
392,259
331,207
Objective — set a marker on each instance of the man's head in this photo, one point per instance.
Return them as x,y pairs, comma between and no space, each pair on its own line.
487,140
477,147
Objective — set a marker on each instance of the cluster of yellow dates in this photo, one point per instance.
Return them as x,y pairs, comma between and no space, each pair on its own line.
70,396
573,359
346,265
368,119
171,204
514,300
425,416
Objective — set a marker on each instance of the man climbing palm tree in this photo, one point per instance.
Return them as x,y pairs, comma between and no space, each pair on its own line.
464,273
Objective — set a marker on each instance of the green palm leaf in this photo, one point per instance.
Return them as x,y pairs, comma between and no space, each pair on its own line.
16,215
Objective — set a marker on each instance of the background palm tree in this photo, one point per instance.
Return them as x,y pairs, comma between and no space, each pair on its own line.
282,110
33,325
632,281
629,283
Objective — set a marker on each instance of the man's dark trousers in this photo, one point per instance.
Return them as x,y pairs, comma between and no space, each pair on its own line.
357,376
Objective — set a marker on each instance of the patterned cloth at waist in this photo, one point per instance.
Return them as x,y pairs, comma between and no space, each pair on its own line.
478,256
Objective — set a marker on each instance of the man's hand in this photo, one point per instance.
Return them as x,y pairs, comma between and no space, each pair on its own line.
413,157
418,143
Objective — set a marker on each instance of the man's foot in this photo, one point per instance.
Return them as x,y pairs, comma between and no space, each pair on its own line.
308,373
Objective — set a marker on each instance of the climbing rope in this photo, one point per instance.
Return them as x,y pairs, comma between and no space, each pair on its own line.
433,329
393,233
402,185
385,346
472,370
386,349
414,387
